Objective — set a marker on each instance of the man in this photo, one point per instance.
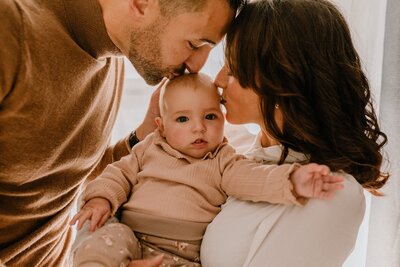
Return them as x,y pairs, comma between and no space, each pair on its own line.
61,72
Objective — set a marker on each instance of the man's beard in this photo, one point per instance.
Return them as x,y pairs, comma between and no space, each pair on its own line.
145,53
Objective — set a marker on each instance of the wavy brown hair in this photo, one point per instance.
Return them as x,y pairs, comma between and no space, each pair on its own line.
299,54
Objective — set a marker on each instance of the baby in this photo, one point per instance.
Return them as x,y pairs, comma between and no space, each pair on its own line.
173,183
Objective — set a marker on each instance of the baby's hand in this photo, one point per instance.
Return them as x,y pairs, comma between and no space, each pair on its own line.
315,181
97,210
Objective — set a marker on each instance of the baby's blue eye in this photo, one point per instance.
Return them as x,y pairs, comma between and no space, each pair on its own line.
211,117
182,119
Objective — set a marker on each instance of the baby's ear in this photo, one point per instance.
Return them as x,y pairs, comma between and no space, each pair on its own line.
160,125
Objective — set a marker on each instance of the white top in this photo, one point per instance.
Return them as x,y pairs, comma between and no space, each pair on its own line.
237,236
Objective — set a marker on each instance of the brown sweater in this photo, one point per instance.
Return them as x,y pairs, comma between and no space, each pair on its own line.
158,181
60,88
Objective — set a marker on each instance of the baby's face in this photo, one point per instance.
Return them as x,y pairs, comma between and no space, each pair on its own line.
193,122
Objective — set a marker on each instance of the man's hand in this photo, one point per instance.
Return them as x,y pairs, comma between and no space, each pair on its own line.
153,111
97,210
153,262
315,181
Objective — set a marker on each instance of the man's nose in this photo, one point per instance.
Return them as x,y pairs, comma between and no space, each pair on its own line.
197,59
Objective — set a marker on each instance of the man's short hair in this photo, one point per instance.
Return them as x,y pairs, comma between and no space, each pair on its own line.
174,7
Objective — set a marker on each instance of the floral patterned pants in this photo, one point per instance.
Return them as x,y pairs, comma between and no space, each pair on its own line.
115,244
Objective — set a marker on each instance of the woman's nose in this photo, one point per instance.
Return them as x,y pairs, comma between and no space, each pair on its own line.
221,80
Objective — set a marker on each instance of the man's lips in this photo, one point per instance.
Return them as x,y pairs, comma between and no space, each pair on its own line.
172,75
175,73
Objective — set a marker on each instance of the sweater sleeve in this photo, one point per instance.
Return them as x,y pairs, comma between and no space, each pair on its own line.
112,154
247,179
115,183
11,31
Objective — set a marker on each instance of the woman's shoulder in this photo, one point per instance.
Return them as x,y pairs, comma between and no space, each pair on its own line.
351,186
350,198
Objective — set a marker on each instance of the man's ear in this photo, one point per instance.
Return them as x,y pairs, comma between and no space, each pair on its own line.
160,125
140,8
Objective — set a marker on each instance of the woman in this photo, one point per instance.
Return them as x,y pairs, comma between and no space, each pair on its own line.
292,69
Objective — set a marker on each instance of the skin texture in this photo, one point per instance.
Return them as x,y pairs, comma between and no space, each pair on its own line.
305,62
159,46
192,127
187,41
195,128
138,29
243,105
232,93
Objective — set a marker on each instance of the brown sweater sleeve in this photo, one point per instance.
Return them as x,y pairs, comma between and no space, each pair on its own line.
115,183
10,48
112,154
246,179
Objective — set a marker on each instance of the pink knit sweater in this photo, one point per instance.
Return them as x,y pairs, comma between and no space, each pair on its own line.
156,179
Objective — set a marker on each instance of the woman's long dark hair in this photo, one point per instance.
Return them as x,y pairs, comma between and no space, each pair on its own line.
299,54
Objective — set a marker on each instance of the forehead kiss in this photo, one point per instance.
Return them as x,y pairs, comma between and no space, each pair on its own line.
178,42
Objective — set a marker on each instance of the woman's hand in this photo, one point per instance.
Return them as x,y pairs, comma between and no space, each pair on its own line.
315,181
97,210
153,262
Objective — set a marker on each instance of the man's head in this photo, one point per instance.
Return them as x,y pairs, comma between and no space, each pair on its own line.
191,118
162,38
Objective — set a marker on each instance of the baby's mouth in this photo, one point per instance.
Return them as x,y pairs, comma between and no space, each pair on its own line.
199,143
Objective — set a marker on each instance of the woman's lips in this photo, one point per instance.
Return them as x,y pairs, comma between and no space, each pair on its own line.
222,100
